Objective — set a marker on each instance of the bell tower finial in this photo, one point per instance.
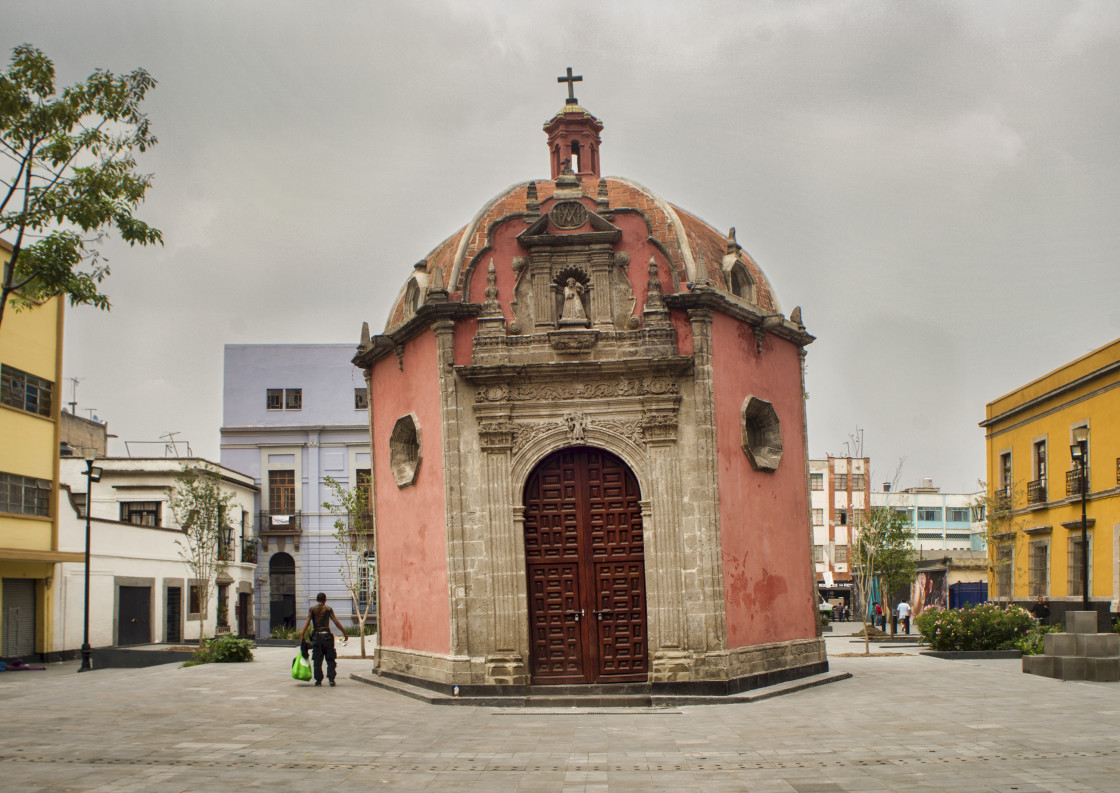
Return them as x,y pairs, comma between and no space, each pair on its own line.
573,135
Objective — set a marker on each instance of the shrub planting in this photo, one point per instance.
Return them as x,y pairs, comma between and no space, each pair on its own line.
225,649
982,627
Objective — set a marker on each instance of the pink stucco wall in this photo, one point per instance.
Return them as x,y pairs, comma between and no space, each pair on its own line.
763,515
411,533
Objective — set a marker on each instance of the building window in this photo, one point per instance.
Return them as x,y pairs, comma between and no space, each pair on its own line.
816,481
840,554
1075,553
366,591
281,492
284,399
740,282
25,391
361,399
859,481
818,517
1039,567
857,517
404,450
194,600
841,481
1004,555
140,513
929,514
25,495
843,517
818,553
960,515
761,434
1005,474
905,513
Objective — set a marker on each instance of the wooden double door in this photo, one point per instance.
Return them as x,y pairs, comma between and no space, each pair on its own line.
586,570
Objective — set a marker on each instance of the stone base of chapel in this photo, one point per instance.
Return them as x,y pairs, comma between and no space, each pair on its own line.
726,672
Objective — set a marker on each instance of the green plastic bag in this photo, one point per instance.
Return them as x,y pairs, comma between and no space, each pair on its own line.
301,667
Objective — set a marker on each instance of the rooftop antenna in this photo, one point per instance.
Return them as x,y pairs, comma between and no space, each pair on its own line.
73,403
91,412
169,449
854,444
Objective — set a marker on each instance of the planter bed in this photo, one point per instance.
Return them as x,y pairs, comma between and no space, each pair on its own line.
961,655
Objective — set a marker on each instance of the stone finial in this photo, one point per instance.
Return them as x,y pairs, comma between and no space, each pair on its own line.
602,203
732,243
532,201
795,318
654,312
421,266
491,306
436,291
365,342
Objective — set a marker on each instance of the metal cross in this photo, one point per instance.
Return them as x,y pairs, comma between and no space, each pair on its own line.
571,81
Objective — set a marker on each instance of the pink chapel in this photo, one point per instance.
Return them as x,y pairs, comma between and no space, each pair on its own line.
589,449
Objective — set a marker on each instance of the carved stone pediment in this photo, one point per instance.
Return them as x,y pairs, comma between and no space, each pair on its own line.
570,223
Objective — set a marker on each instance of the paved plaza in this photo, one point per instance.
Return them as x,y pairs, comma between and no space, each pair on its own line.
909,723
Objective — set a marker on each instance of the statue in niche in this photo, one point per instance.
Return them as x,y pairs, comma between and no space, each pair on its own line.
572,312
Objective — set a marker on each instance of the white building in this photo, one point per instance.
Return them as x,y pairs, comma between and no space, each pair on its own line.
293,414
141,590
839,492
941,521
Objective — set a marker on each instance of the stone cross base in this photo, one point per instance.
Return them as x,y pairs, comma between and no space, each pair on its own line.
1079,654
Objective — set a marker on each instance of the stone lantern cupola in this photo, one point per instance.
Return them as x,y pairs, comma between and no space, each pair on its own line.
573,135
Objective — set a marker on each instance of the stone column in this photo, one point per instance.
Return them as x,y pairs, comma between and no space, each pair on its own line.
544,303
504,662
661,518
444,331
704,579
602,317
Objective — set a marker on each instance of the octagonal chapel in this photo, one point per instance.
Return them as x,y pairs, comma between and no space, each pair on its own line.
590,465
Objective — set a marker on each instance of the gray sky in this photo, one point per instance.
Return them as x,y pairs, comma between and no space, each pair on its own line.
935,183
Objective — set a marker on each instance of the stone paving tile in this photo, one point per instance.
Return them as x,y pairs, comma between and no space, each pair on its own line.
907,723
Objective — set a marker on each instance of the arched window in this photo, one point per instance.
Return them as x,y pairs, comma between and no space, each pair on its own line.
740,283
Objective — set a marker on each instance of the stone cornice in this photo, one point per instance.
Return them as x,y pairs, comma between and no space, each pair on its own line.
426,316
709,298
485,374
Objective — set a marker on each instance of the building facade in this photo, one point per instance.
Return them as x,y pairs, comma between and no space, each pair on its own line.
292,415
839,492
30,373
941,521
590,467
141,590
1035,495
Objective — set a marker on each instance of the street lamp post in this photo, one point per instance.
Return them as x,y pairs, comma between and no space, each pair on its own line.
1079,450
93,474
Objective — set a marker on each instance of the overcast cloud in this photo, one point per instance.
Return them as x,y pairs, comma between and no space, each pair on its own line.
936,184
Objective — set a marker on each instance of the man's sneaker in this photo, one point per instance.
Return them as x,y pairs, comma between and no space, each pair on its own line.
332,684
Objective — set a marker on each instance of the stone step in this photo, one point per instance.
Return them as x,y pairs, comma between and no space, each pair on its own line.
1072,667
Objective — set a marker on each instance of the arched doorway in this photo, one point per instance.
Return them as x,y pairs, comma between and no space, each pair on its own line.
282,590
585,563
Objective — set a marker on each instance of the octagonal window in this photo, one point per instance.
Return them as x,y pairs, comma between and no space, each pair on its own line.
404,450
762,434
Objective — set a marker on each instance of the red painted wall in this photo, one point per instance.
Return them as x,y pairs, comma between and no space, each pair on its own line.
411,531
763,515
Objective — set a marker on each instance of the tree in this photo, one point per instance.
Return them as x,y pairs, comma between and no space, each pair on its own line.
995,506
68,177
200,508
883,555
356,547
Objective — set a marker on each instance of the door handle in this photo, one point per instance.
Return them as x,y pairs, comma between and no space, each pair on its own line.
576,615
605,612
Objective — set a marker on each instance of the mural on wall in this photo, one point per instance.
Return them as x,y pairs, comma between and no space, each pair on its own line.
929,590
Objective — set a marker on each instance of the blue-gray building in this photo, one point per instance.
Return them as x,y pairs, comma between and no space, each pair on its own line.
293,414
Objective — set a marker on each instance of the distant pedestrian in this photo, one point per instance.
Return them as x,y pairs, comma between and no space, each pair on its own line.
904,617
1041,611
322,640
878,619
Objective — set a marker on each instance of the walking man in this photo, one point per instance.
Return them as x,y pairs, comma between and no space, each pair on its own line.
904,616
322,640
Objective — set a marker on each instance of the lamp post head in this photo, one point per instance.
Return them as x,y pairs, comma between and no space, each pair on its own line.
1080,435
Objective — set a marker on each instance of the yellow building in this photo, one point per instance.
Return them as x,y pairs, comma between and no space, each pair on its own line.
30,371
1035,546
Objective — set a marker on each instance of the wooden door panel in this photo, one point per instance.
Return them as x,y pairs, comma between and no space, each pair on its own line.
584,556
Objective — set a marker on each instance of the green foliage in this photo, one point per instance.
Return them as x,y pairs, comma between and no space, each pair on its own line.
1032,643
68,177
200,506
981,627
225,649
882,550
284,632
356,630
356,548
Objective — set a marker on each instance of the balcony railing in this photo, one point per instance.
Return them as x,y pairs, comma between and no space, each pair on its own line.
1073,481
280,523
249,551
1036,492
